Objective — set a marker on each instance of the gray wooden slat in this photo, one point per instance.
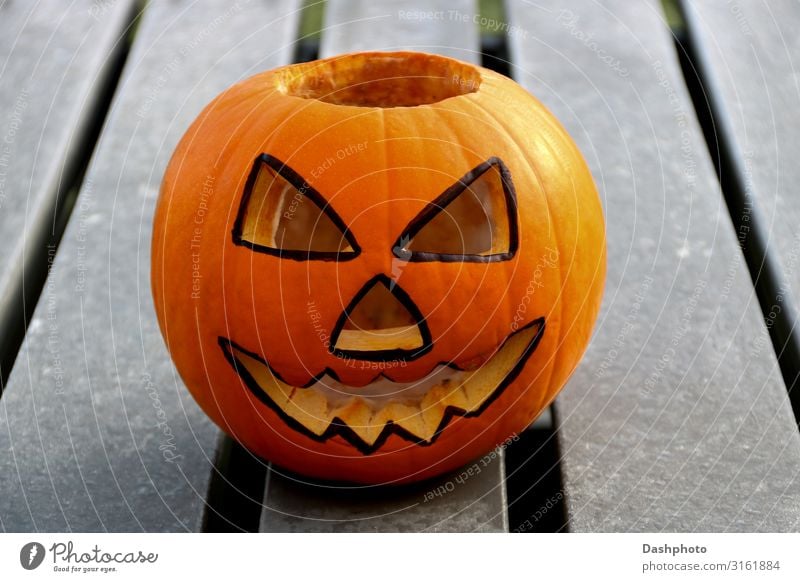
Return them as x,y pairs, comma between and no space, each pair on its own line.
443,27
479,503
97,432
748,53
471,499
677,418
54,60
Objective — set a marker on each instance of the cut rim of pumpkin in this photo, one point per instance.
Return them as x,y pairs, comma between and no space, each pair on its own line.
380,79
365,416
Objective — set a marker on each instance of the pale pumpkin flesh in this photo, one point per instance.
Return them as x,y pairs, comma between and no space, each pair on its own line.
421,409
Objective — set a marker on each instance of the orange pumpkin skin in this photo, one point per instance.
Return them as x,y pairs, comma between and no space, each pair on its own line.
377,167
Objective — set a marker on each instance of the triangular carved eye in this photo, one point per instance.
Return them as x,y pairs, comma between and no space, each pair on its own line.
281,214
474,220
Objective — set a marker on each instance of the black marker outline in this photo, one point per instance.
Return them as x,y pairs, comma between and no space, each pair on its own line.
383,355
308,191
339,427
440,203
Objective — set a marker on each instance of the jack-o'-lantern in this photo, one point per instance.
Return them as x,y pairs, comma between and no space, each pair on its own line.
376,267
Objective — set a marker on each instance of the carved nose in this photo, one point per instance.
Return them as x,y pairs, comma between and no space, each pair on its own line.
380,324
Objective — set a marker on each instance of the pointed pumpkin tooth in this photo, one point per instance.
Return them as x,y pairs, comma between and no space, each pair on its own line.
278,391
454,395
482,383
383,415
310,408
477,388
351,410
410,418
433,407
358,417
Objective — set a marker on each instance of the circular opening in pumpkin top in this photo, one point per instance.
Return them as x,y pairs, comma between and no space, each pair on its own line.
381,80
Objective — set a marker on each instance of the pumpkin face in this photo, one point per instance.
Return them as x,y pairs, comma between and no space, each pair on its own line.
376,267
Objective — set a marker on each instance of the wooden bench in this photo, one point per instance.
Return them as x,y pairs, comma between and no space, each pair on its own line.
748,59
59,70
677,418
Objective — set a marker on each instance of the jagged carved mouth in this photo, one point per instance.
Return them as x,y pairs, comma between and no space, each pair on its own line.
366,416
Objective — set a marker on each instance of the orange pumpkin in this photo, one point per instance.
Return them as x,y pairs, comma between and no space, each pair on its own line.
376,267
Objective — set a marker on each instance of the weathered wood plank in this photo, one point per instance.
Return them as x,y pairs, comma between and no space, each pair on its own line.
443,27
55,62
677,419
748,54
471,499
97,431
479,503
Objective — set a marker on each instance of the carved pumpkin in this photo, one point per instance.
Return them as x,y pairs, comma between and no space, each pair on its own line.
376,267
